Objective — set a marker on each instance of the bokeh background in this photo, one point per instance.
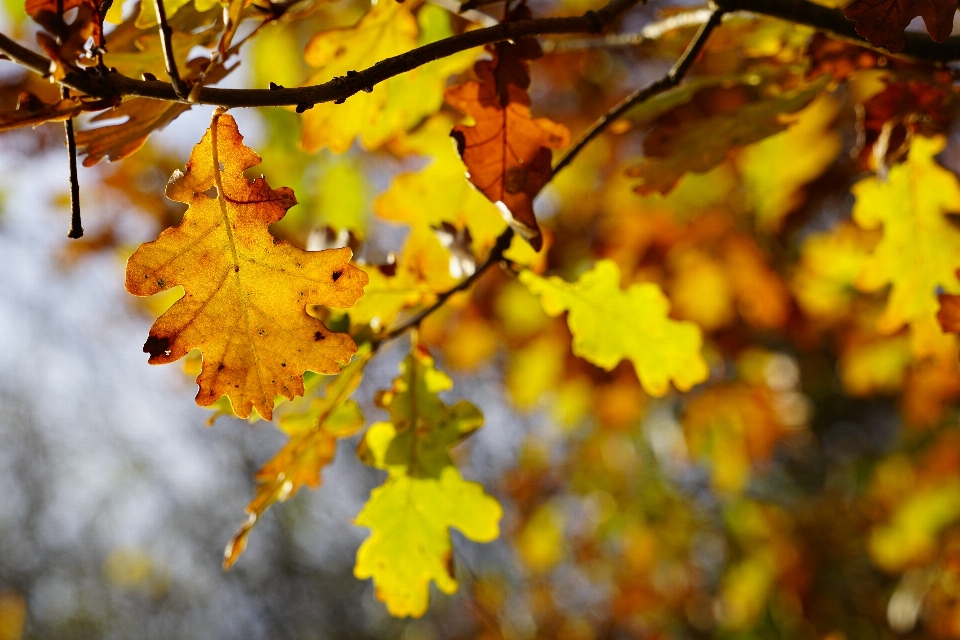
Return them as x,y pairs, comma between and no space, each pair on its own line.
624,516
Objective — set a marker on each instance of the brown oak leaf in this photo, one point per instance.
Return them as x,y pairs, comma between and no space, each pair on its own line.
507,152
33,111
246,292
882,22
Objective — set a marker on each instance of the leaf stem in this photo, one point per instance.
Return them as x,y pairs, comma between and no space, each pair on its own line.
670,80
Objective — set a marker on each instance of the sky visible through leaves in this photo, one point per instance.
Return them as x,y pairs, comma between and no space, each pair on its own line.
492,357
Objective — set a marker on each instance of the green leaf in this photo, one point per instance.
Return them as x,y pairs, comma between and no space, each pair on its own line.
411,514
610,324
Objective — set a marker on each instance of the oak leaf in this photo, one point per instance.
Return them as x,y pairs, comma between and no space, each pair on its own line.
920,248
438,193
774,175
610,324
391,107
685,140
424,495
246,291
882,22
311,447
507,151
33,111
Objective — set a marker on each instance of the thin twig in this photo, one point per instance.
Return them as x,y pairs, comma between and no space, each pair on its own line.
495,255
76,225
180,87
670,80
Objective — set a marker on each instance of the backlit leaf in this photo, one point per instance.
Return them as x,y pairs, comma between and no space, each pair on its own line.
677,146
610,324
507,152
411,514
774,174
246,292
882,22
920,248
394,106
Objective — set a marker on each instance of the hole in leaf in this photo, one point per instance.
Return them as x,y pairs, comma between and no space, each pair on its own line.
211,193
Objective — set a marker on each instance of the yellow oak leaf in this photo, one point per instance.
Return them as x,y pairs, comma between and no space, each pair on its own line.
830,263
610,324
311,447
920,249
388,29
774,173
246,292
424,495
439,192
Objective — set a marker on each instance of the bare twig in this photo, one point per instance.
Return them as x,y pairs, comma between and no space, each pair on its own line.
495,255
76,226
180,87
670,80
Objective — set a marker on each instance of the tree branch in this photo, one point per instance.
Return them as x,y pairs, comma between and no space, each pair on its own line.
495,255
919,46
670,80
338,89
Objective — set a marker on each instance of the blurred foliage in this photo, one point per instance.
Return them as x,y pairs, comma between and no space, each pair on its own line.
730,373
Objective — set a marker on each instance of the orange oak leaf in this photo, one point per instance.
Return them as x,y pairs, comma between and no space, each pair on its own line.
246,291
882,22
507,152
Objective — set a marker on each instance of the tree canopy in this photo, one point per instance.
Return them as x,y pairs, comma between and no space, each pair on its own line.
712,252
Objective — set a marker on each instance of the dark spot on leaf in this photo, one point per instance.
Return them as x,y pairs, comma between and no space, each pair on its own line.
156,347
236,268
515,179
221,367
336,274
448,562
161,282
283,364
317,337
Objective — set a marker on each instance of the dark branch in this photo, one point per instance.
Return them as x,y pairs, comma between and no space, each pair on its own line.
166,40
496,254
919,46
672,79
338,89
